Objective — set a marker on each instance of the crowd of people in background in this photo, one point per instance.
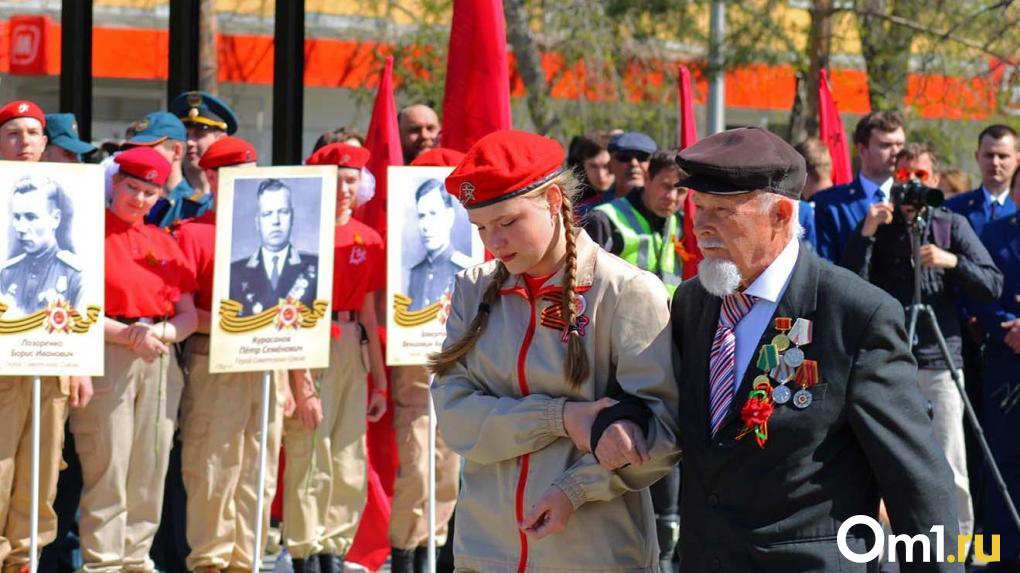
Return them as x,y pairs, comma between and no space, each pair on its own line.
104,515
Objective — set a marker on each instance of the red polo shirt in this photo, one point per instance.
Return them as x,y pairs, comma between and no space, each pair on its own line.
146,272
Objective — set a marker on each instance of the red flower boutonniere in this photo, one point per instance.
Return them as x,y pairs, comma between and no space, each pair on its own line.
756,412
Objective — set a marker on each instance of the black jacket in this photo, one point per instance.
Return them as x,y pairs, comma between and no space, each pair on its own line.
865,436
885,261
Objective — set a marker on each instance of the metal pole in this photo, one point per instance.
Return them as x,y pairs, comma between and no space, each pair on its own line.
33,546
288,82
260,495
432,481
182,65
716,65
76,63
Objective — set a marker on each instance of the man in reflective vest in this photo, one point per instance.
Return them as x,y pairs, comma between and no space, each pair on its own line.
645,227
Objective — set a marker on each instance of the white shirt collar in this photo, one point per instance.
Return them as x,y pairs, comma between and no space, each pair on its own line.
1000,198
870,187
267,259
771,283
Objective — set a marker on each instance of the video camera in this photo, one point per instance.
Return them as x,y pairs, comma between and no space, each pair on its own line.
915,194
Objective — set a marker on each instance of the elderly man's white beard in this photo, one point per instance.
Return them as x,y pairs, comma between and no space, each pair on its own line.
720,277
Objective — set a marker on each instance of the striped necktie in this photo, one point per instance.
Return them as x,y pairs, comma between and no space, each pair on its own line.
722,360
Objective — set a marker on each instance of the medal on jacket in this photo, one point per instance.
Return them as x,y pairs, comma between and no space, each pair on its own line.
806,377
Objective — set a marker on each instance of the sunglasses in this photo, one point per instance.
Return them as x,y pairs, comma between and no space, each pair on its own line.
628,156
903,174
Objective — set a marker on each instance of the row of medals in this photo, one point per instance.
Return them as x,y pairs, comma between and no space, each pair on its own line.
783,361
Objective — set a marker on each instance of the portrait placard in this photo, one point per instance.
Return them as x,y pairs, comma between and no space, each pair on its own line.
51,269
430,241
274,268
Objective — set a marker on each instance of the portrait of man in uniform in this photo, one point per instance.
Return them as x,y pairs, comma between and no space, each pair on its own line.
276,270
433,276
41,268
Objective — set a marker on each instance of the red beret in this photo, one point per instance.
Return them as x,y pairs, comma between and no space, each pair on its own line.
341,155
22,108
144,163
227,151
439,157
504,165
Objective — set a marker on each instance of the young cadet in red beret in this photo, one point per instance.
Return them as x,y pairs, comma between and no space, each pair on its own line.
537,341
220,412
22,139
409,387
124,436
325,478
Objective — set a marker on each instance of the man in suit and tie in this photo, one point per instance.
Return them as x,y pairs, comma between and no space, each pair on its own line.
277,270
878,137
997,156
800,406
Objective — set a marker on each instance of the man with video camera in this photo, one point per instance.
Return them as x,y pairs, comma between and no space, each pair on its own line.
952,259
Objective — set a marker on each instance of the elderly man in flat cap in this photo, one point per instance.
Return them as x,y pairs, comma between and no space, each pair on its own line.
799,401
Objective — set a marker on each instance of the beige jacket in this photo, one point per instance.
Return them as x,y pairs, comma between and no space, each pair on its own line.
501,408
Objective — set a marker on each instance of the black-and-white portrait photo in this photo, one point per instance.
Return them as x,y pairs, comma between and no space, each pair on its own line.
275,246
41,266
441,246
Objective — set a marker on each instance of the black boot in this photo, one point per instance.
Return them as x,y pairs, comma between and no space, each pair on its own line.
329,563
401,560
667,529
310,565
421,560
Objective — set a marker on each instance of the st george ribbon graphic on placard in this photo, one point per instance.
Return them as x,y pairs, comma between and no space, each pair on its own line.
51,269
430,241
274,268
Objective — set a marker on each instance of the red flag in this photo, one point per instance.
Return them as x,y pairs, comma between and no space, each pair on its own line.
830,131
477,96
688,131
371,543
383,140
688,249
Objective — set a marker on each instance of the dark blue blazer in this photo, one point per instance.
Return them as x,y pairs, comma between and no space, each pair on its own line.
1001,388
838,212
974,205
806,214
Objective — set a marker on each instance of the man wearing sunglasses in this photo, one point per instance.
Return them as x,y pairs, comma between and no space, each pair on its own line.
629,153
954,263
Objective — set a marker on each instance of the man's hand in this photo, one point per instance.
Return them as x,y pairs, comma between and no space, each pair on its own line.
878,214
309,412
376,406
578,418
622,443
81,391
549,515
1012,338
934,257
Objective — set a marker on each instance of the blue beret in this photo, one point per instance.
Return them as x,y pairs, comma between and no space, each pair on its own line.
157,126
632,141
62,131
201,108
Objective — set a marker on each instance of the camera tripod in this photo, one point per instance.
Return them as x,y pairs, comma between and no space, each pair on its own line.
917,308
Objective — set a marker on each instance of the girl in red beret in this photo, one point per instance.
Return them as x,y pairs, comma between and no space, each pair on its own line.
325,479
124,435
538,340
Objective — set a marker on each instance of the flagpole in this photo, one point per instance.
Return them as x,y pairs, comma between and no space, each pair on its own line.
432,481
260,494
33,546
716,71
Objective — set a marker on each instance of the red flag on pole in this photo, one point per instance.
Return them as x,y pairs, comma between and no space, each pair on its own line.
383,140
830,131
687,247
688,131
477,96
371,543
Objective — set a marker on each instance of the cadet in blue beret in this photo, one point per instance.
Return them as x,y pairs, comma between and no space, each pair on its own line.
166,134
63,144
207,118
